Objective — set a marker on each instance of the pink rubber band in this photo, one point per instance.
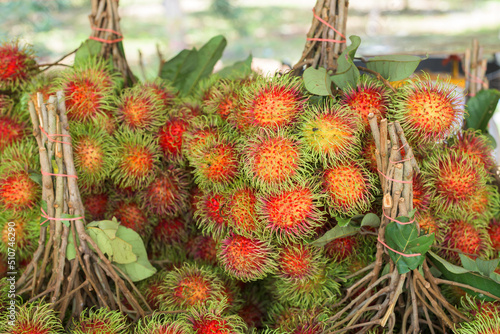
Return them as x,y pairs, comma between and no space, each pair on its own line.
45,215
399,149
396,162
395,251
49,137
106,40
388,178
329,26
44,173
397,221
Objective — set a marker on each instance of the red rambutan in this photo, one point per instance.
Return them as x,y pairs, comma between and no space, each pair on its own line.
368,153
129,213
203,249
494,232
12,130
465,237
170,138
242,210
17,65
34,318
369,96
102,320
297,261
212,319
162,91
421,196
96,205
18,192
212,213
342,248
428,111
246,259
169,231
475,145
24,231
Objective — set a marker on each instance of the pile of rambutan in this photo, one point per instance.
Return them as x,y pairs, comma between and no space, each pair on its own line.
229,188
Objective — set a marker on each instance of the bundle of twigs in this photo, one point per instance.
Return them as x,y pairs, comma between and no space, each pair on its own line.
105,25
415,297
475,69
326,37
90,279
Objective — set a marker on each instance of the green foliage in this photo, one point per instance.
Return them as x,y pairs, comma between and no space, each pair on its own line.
481,108
347,73
394,67
238,70
88,49
189,67
317,81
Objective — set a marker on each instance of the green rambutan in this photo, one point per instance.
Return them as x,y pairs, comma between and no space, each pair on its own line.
162,91
168,193
96,205
212,319
273,103
138,109
271,160
129,213
494,233
349,189
292,214
203,249
481,324
369,96
17,65
453,181
94,151
242,210
476,146
467,238
330,133
22,231
429,111
212,213
159,323
189,286
35,317
99,321
88,89
202,132
246,259
137,157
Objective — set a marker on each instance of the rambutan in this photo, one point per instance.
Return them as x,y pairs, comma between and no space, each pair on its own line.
162,91
18,192
298,261
223,99
169,231
189,286
216,166
349,189
273,103
88,89
342,248
429,224
369,96
12,129
452,181
17,65
271,160
94,153
330,133
35,317
102,320
21,231
212,213
494,233
202,132
138,154
212,319
96,205
242,210
298,320
484,203
252,314
421,195
246,259
293,214
429,111
231,290
203,249
475,145
151,289
129,213
137,109
168,193
368,153
159,323
482,324
170,137
465,237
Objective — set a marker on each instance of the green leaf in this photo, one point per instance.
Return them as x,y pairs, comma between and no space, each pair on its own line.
481,108
36,177
208,55
89,48
468,263
108,226
335,233
490,140
486,267
70,248
122,251
102,241
238,70
67,222
141,268
317,81
394,67
342,221
461,275
347,74
370,219
177,69
405,239
44,221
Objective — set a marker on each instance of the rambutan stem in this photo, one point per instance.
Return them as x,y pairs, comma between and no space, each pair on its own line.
379,77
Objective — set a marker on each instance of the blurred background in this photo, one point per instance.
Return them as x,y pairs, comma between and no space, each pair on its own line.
270,29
